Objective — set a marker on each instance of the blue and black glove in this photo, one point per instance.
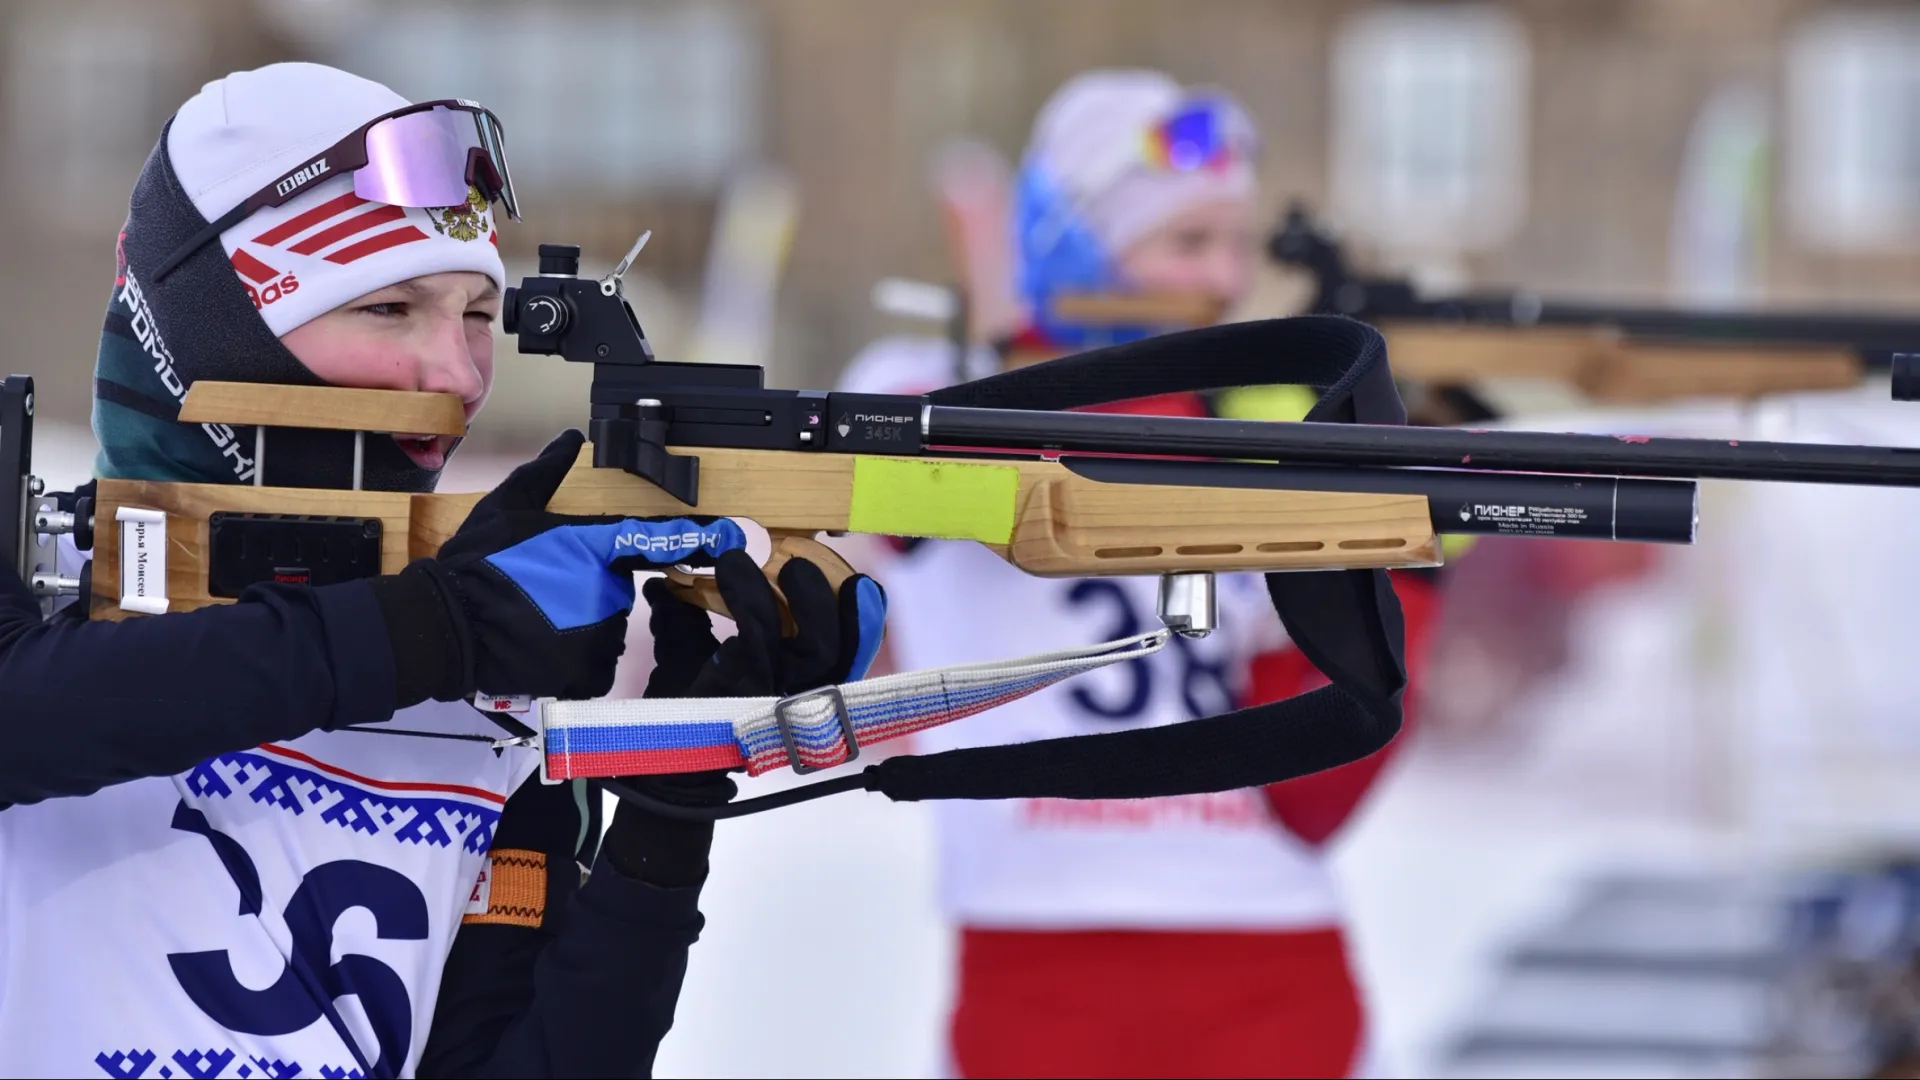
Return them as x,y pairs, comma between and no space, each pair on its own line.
836,635
525,601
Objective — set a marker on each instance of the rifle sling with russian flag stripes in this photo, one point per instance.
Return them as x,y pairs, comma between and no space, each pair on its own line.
810,731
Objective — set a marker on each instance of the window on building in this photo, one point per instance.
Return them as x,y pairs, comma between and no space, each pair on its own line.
1853,94
1429,125
593,101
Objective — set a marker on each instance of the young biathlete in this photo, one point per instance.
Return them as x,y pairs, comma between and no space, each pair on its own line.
272,838
1190,936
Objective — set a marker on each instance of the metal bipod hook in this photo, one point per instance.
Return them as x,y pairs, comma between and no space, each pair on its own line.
1188,605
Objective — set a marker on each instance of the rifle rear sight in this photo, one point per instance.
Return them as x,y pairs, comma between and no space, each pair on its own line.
638,404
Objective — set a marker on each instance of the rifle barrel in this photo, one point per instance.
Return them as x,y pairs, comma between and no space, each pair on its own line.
1302,443
1872,336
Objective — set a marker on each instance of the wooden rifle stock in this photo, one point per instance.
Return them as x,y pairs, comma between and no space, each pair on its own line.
1609,367
1065,525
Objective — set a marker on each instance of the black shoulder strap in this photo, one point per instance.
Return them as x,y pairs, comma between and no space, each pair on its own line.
1347,622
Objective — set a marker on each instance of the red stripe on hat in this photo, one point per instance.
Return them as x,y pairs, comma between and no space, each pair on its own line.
379,215
379,242
253,269
295,226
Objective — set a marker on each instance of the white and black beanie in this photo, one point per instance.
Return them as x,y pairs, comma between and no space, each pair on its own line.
221,312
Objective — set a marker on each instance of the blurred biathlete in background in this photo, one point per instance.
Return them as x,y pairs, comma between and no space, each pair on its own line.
1189,936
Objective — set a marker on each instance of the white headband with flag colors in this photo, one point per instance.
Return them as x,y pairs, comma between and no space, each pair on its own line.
329,246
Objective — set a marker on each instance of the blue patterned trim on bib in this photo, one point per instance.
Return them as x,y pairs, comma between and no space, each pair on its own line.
203,1064
406,817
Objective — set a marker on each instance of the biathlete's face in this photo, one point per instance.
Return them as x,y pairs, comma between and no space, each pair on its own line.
1212,249
432,333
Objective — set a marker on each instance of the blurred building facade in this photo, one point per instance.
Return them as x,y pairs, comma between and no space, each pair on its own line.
1604,147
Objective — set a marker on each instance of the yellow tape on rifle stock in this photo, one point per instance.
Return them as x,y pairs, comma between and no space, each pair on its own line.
946,499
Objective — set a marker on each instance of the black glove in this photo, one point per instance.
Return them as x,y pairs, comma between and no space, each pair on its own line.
524,601
835,638
836,634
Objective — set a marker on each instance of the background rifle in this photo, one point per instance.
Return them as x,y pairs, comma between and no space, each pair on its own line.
1615,355
1055,493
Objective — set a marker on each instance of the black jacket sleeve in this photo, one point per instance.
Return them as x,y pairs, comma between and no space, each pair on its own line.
98,703
587,989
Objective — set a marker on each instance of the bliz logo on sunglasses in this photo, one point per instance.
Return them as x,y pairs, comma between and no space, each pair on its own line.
299,180
668,542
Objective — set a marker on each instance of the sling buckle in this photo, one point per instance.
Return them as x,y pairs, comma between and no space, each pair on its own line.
783,720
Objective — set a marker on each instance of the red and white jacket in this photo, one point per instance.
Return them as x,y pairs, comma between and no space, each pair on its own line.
1241,860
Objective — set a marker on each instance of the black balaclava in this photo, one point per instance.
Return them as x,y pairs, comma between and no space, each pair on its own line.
198,323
